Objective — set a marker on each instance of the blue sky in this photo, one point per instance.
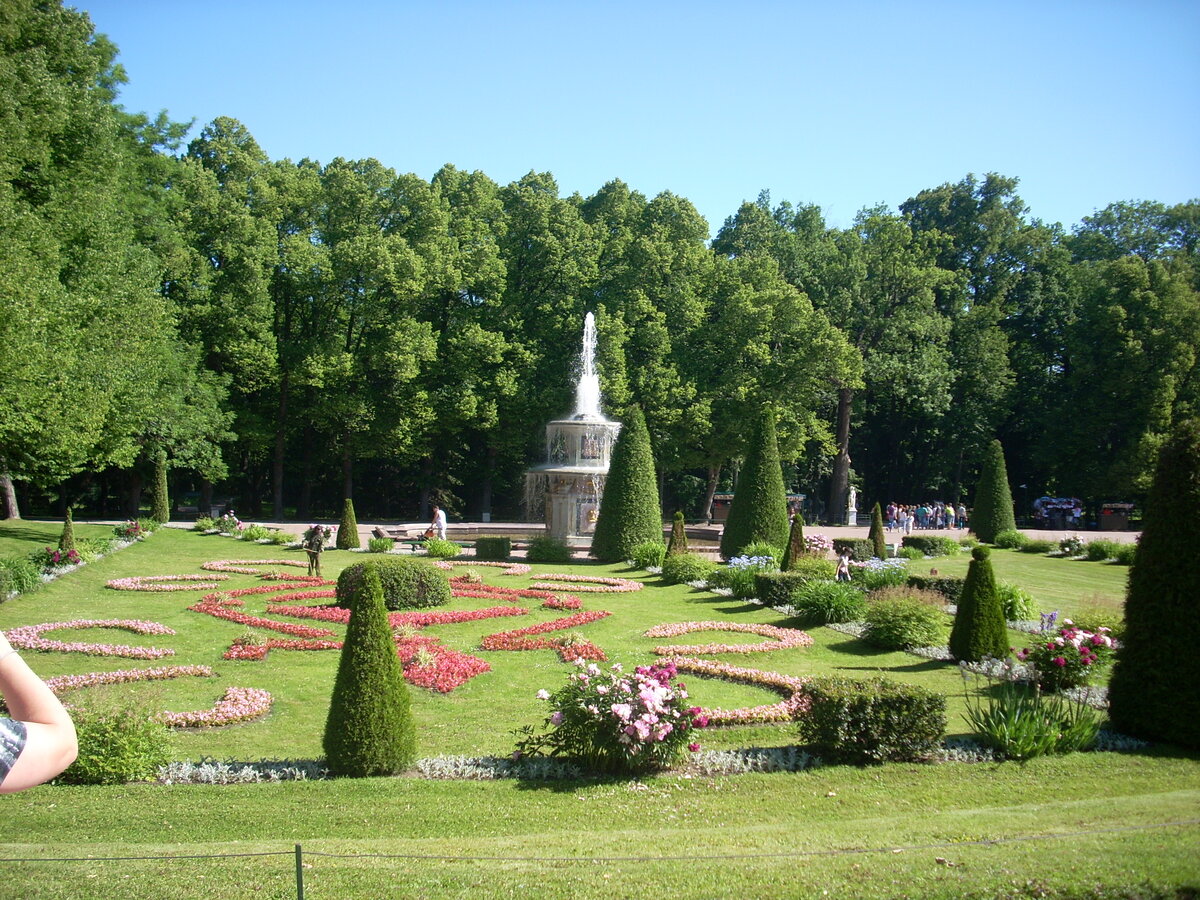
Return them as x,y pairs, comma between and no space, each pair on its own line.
842,105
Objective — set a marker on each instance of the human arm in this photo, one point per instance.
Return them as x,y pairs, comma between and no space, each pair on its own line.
50,742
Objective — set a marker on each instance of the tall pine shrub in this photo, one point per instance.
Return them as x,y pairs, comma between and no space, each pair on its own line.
993,510
979,627
878,539
160,506
66,540
679,541
347,536
369,730
759,508
796,547
1154,691
629,509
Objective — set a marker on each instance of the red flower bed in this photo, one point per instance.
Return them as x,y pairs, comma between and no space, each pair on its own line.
220,611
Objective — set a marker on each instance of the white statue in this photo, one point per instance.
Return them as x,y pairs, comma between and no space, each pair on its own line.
852,506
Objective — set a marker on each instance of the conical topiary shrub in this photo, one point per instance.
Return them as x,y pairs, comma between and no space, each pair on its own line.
629,508
878,540
796,547
347,536
979,627
160,505
1154,691
369,730
678,542
66,540
993,510
759,508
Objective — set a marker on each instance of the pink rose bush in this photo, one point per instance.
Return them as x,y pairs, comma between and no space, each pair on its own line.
613,721
29,637
1068,658
781,638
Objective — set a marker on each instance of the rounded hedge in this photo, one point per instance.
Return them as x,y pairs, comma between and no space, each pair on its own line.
408,583
684,568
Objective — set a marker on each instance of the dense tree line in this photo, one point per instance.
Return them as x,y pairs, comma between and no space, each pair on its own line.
295,333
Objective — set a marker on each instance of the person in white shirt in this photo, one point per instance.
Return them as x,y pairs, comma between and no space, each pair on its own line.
439,522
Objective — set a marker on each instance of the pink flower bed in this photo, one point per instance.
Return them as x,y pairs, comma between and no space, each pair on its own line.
220,611
510,568
782,638
240,649
248,566
60,684
268,589
790,686
595,584
567,602
29,637
240,704
526,638
397,619
490,592
165,583
448,670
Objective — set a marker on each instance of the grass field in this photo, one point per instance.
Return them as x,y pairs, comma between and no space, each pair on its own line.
1060,825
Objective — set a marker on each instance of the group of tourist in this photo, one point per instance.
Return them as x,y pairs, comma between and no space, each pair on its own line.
925,516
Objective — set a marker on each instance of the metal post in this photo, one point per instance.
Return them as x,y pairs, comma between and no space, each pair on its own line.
299,873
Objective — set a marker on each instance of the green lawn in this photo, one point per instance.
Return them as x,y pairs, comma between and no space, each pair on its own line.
796,834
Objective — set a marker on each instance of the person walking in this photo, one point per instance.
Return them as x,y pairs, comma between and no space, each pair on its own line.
438,525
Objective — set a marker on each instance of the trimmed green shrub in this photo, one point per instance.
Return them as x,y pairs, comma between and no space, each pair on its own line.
493,549
19,574
160,504
949,586
993,511
204,523
879,547
900,617
684,568
872,721
1101,549
860,548
66,540
979,626
778,588
380,544
1038,545
1126,554
739,575
256,533
823,602
1155,687
117,746
909,553
679,540
370,728
795,545
546,549
1018,604
630,513
440,548
347,536
932,544
1010,539
408,582
649,555
759,508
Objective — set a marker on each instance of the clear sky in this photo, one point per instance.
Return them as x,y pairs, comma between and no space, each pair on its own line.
844,105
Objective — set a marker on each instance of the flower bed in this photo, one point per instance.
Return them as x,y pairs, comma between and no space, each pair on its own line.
60,684
570,649
510,568
29,637
414,619
595,584
239,704
248,566
782,638
166,583
790,686
219,610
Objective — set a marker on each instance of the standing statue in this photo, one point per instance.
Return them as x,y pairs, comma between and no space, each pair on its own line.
852,506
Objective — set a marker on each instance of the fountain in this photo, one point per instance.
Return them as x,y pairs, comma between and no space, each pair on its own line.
565,490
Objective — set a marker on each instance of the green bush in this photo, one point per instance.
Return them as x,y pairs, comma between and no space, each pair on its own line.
546,549
1070,546
440,548
1126,554
204,523
900,617
880,573
778,588
763,550
1038,545
19,574
1010,539
1094,617
932,544
679,539
684,568
649,555
493,549
993,511
1021,722
91,549
872,721
979,626
408,583
968,542
347,536
160,504
66,540
740,574
759,508
369,730
380,544
860,549
909,553
1100,550
822,602
795,545
1018,604
256,533
117,746
949,586
630,513
876,535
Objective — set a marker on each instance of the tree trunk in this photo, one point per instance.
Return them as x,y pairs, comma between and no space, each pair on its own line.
423,512
714,478
304,505
206,498
133,496
839,482
485,499
347,470
8,494
280,450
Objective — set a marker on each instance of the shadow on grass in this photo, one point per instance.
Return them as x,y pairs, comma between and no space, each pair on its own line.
26,534
929,665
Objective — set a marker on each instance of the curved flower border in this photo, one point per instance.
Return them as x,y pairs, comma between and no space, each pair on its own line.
782,638
60,684
792,687
592,584
166,583
510,568
29,637
248,566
